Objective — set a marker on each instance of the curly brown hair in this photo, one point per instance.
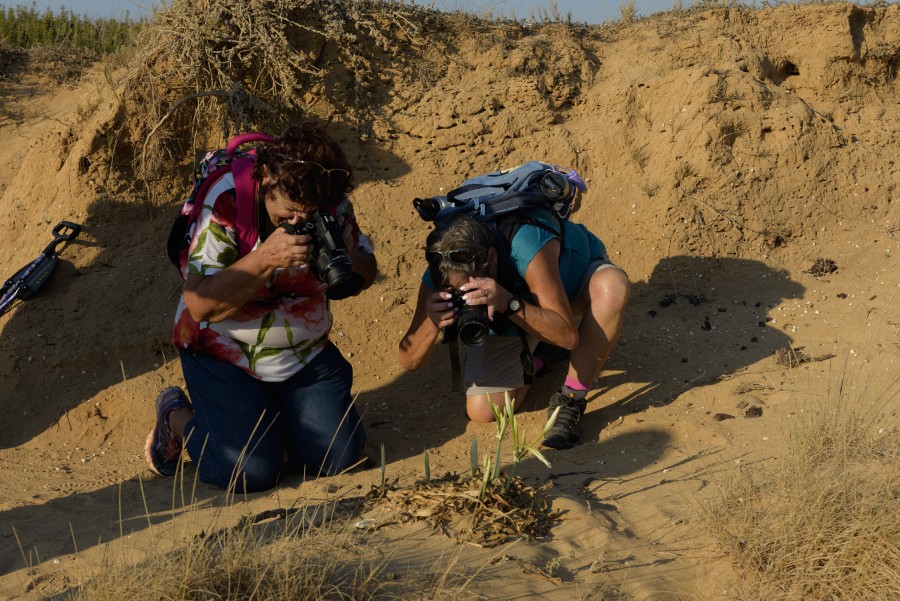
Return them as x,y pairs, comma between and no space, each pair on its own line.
307,164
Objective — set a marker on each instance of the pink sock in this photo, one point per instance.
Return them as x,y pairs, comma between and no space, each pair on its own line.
575,384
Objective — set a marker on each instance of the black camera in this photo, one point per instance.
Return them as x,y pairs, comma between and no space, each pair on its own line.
329,261
428,208
472,321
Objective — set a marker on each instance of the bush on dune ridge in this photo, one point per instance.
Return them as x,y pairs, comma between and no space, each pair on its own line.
210,69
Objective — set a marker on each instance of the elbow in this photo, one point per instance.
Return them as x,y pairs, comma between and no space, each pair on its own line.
203,316
407,365
409,360
200,313
196,313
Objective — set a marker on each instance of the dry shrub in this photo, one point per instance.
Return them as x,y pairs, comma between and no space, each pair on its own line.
823,524
60,64
509,508
211,68
11,58
628,11
222,62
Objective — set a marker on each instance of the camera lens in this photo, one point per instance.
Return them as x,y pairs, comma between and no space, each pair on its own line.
338,275
429,208
330,261
472,325
556,186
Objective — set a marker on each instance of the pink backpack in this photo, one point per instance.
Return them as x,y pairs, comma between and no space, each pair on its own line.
210,169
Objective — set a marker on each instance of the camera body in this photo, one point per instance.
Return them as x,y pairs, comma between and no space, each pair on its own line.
472,323
329,261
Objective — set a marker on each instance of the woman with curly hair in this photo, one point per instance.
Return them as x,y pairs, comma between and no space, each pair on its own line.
253,330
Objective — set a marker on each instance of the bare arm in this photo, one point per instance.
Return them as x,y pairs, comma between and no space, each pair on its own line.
217,297
433,312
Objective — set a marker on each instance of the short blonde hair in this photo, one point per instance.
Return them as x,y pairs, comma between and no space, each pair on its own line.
456,234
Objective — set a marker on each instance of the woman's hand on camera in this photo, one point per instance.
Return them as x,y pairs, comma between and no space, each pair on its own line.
485,291
440,309
282,249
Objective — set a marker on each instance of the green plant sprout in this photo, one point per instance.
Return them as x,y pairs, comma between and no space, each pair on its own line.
485,477
473,455
427,466
501,418
506,420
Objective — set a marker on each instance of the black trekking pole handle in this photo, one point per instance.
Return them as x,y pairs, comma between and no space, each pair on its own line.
65,231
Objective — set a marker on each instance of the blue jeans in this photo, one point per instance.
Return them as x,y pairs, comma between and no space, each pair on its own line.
243,427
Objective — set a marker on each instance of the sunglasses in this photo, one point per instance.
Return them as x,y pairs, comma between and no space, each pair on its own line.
325,171
460,256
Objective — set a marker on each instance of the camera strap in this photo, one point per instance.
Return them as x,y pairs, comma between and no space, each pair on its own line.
525,358
452,339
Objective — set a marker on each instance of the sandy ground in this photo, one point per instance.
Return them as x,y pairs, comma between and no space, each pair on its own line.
729,156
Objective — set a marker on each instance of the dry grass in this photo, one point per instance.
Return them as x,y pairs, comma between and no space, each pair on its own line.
324,551
824,523
290,560
317,552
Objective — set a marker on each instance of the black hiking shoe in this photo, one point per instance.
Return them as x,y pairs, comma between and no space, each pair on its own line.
564,432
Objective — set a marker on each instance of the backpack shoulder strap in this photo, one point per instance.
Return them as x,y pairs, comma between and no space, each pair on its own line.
245,200
251,136
509,226
245,187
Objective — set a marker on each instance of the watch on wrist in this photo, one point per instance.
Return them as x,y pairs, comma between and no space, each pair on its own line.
514,305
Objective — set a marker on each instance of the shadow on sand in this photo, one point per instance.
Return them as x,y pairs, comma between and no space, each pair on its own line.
695,321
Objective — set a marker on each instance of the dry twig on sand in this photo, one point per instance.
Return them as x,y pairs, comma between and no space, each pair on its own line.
509,508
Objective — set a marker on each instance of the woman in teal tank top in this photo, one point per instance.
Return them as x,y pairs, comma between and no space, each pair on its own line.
566,276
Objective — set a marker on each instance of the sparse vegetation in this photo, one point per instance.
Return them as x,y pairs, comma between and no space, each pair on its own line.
289,560
639,155
718,91
505,419
824,523
628,12
288,554
649,188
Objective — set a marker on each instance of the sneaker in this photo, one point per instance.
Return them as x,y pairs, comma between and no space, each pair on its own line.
564,432
163,448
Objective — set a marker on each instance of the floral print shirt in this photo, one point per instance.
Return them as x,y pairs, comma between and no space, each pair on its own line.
286,323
